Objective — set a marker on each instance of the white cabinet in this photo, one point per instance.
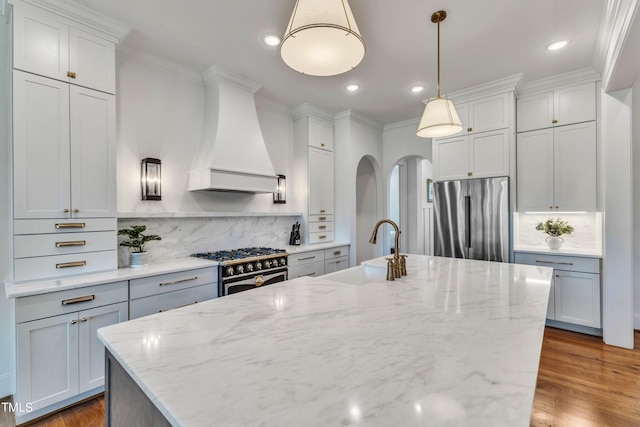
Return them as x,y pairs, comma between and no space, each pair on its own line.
556,169
46,44
485,114
336,259
60,132
575,295
320,133
58,351
318,262
479,155
560,107
320,182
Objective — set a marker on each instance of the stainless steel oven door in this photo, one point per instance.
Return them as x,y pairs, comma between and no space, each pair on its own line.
232,286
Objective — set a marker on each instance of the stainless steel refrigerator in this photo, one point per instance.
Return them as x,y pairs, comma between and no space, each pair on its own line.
472,219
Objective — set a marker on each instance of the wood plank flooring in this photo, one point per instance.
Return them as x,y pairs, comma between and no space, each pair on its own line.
581,382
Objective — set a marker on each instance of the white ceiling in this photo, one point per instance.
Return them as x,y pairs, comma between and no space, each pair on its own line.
481,41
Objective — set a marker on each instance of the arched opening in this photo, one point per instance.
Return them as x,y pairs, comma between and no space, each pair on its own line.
366,209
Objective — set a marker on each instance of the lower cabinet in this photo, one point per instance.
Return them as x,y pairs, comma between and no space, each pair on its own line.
60,356
318,262
575,295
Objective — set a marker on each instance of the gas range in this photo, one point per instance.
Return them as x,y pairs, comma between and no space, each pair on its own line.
246,268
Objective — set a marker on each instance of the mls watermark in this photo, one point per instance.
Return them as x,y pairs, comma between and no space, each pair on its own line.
18,407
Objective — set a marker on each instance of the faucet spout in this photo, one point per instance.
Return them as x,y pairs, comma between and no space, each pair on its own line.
396,255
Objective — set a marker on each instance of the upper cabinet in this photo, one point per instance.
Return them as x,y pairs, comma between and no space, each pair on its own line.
485,114
46,45
320,133
560,107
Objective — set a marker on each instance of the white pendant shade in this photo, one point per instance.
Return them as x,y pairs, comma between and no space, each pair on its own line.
322,38
439,119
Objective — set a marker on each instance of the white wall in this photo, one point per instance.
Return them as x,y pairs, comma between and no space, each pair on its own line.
6,346
366,209
635,144
160,108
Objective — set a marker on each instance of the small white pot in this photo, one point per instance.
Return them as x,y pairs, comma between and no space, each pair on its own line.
138,259
554,242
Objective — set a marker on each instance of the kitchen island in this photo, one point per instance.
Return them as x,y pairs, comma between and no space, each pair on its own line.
456,342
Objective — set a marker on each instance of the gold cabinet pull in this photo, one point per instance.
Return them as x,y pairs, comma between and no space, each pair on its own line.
322,211
84,319
175,282
322,218
306,258
72,243
71,264
322,144
550,207
337,252
77,300
322,227
469,130
557,275
539,261
322,237
74,321
76,210
70,225
65,210
469,174
554,121
71,74
557,207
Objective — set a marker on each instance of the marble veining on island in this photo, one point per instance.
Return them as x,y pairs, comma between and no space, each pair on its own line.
456,342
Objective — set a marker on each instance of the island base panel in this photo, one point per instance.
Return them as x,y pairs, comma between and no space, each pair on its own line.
126,403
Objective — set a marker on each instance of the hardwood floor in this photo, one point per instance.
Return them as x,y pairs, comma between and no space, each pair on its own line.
581,382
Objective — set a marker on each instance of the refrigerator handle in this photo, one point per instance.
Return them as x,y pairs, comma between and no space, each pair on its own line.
467,220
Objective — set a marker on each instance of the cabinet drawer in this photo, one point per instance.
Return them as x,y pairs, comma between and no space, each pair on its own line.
32,245
69,301
170,300
164,283
314,269
336,252
305,258
320,227
320,218
336,264
44,226
560,262
321,237
49,267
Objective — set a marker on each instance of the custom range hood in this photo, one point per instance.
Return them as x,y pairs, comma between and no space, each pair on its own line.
232,155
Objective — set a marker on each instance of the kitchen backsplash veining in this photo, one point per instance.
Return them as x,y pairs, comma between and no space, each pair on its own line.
184,236
587,234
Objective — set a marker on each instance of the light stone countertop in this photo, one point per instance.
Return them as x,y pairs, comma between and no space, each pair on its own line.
590,253
16,290
456,342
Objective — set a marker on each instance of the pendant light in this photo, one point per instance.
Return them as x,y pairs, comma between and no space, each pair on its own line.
439,117
322,38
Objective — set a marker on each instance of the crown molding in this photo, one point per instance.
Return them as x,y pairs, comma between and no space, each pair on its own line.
307,109
83,15
411,122
358,117
221,74
506,84
157,63
584,75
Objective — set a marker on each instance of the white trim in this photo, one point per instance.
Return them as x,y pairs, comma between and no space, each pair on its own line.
415,122
354,115
217,73
128,215
506,84
307,109
158,63
6,382
84,15
577,77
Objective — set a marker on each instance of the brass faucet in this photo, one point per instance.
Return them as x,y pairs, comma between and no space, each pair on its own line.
397,266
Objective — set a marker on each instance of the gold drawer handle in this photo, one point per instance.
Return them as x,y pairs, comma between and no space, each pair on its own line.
337,252
71,74
179,281
70,225
554,121
322,211
322,237
180,306
306,258
469,129
322,218
322,227
71,264
72,243
77,300
553,262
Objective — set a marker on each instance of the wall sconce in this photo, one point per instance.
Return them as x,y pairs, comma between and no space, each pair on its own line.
150,179
280,196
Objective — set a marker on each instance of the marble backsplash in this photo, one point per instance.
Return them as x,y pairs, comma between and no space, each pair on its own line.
587,234
184,236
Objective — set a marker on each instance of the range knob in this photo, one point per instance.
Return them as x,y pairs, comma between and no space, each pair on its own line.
249,267
240,269
274,262
258,265
267,264
283,261
229,271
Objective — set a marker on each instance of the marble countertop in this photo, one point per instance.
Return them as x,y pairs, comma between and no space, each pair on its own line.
456,342
591,253
16,290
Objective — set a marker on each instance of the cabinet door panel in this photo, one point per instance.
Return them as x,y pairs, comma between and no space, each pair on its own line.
93,162
489,154
320,134
489,114
451,157
93,60
40,147
535,170
314,269
41,44
315,181
91,350
575,104
575,177
577,298
535,112
336,264
47,359
327,183
551,307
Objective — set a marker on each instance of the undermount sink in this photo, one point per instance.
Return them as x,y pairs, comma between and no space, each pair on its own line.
358,275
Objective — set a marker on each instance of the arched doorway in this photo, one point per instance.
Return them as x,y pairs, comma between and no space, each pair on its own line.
366,209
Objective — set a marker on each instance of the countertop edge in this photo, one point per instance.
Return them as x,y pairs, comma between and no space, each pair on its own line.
560,252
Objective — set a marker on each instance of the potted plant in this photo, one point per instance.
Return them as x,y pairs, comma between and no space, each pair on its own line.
139,257
554,228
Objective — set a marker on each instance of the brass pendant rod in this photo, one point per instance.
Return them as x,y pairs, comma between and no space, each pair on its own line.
438,58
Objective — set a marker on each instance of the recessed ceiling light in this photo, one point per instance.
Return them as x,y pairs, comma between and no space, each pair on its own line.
417,89
271,40
557,45
352,87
